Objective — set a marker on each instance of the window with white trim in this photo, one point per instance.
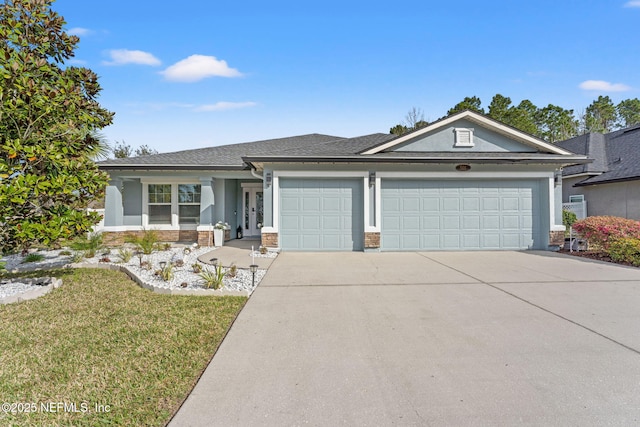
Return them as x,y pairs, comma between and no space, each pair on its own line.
188,203
159,204
464,137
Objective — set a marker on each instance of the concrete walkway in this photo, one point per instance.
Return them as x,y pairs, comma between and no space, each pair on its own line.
476,338
236,252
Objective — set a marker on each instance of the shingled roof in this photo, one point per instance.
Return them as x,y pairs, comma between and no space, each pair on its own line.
616,156
223,156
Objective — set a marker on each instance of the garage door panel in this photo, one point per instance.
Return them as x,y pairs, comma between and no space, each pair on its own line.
459,214
321,214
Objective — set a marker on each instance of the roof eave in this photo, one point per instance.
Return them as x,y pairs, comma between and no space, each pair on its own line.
165,167
609,181
552,159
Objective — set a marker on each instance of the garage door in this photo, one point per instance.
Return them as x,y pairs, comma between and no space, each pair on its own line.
459,215
321,215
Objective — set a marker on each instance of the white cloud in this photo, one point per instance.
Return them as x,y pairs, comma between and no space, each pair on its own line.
126,56
603,86
632,3
198,67
78,31
223,106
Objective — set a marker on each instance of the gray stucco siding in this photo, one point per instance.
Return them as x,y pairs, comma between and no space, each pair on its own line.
620,199
443,139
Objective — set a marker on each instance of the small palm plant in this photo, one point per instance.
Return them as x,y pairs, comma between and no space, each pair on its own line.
89,245
213,278
145,244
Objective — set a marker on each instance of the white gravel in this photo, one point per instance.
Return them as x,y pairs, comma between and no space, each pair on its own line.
243,281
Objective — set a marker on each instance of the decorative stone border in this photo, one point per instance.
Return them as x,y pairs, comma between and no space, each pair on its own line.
32,293
165,291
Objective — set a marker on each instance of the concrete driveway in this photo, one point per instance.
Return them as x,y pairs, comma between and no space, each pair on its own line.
434,338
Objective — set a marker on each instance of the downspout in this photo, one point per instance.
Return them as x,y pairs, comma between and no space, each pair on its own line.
255,174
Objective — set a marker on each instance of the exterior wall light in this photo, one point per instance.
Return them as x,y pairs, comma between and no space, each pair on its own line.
267,179
372,178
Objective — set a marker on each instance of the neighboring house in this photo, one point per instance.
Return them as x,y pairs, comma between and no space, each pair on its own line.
611,184
465,182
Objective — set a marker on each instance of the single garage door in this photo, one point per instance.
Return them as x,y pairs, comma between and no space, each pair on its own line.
459,215
321,214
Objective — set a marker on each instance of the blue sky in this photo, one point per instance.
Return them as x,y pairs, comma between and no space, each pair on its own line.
198,73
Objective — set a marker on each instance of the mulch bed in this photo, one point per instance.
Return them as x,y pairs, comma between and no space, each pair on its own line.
597,255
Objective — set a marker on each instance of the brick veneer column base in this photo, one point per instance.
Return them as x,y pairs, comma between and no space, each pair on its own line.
270,240
372,240
556,238
118,238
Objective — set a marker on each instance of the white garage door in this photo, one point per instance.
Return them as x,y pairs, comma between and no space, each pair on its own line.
459,215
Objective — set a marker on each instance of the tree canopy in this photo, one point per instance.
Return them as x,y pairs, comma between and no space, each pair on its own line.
551,123
49,118
122,150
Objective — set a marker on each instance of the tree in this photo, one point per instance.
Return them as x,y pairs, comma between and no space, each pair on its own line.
412,121
469,103
121,150
629,112
521,117
556,123
49,116
600,116
145,150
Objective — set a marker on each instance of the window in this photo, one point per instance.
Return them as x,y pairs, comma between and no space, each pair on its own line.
464,137
160,204
189,203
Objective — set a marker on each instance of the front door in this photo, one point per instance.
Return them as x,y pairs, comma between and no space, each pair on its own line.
252,209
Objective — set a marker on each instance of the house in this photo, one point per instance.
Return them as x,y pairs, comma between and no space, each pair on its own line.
611,184
465,182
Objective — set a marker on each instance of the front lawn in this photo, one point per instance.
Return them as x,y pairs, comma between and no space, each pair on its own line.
100,350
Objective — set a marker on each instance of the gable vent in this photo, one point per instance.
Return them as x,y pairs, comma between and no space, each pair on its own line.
464,137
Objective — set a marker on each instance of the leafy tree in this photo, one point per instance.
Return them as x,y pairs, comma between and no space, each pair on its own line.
145,150
122,150
600,116
412,121
629,112
398,130
49,116
556,123
469,103
521,117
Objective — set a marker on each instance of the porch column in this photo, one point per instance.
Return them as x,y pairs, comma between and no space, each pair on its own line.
113,209
207,200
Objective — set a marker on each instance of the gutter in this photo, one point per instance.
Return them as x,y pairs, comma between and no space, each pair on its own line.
561,160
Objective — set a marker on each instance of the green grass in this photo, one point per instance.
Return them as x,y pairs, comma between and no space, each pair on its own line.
100,339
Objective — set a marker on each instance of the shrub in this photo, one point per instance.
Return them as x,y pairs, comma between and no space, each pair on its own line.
602,230
233,270
167,272
568,219
197,268
125,255
3,268
145,244
626,250
88,244
34,257
213,279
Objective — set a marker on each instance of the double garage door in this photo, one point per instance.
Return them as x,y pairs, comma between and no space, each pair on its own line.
327,214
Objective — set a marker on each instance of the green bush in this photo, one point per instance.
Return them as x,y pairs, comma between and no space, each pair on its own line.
145,244
88,244
625,250
568,218
600,231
